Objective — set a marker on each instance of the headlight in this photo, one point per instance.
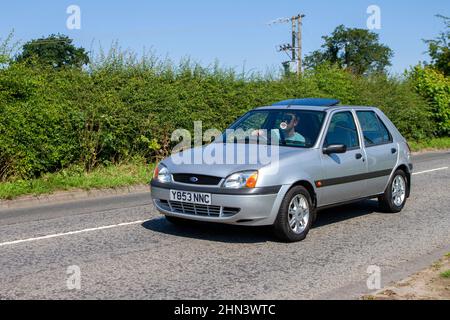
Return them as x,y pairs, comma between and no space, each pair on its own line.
162,174
246,179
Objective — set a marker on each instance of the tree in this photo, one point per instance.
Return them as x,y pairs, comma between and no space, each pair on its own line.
356,50
55,50
439,49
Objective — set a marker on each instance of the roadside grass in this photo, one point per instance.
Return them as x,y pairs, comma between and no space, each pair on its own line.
121,175
446,274
432,144
113,176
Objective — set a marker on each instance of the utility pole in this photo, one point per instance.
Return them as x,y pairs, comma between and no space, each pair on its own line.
294,38
295,48
299,43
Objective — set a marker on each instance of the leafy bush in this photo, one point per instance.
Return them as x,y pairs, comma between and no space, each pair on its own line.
396,97
435,88
121,108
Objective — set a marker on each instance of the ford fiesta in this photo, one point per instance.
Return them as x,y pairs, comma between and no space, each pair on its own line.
326,155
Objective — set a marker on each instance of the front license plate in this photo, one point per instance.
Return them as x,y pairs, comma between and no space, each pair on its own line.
190,197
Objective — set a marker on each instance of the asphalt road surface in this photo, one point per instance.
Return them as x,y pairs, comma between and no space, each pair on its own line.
124,249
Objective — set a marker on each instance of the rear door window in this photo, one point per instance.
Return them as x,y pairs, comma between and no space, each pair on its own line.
374,131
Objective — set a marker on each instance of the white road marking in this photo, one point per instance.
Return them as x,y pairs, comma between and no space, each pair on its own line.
432,170
71,233
126,223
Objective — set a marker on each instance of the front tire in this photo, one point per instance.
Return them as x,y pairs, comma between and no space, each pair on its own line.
296,215
394,198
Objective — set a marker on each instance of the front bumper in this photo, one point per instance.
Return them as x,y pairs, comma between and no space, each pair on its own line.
243,207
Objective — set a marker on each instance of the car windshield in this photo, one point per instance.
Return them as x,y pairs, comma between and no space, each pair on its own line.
292,128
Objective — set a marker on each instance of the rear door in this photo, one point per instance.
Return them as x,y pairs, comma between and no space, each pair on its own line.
381,151
343,174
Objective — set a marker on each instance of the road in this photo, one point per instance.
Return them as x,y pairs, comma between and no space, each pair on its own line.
125,250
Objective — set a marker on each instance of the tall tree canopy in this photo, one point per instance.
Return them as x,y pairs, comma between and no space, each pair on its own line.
55,50
439,49
357,50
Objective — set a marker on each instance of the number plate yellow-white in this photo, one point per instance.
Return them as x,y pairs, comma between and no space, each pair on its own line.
190,197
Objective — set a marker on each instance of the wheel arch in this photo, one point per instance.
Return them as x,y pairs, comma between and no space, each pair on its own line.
406,170
308,186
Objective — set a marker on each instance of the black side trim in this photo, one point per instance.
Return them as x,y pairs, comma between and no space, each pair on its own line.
346,202
357,177
218,190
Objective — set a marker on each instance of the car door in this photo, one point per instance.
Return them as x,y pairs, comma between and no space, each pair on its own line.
381,151
343,174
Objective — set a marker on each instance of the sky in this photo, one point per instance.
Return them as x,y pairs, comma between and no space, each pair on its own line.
235,33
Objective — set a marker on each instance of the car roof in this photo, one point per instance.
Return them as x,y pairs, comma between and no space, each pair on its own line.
313,108
318,104
293,107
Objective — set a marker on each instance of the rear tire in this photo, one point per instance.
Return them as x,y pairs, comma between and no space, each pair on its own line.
296,215
394,198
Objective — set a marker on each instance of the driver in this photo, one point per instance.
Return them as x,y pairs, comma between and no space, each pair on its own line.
288,123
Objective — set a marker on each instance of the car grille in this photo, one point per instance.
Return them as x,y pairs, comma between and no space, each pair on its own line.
198,209
201,179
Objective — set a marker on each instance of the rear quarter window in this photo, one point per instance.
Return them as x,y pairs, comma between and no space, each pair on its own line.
374,130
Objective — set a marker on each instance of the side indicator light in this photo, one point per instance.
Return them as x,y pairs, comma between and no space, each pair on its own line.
251,181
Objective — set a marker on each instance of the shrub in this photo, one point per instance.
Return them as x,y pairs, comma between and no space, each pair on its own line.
435,88
122,108
397,98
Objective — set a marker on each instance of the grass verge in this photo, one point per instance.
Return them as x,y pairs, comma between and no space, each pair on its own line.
432,144
136,172
75,178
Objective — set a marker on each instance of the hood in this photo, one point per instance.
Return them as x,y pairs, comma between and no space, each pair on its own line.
223,159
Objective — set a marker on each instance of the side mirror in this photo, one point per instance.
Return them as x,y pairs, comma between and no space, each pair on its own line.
335,148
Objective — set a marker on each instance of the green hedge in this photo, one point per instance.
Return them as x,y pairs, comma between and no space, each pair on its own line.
51,119
435,88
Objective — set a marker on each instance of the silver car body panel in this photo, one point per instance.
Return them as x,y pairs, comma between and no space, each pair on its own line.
343,177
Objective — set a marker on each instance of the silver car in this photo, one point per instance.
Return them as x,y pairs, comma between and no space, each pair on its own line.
323,155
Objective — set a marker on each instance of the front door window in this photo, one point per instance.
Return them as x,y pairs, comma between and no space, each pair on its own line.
342,130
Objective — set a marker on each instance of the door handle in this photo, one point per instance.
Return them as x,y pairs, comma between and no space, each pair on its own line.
394,151
358,156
